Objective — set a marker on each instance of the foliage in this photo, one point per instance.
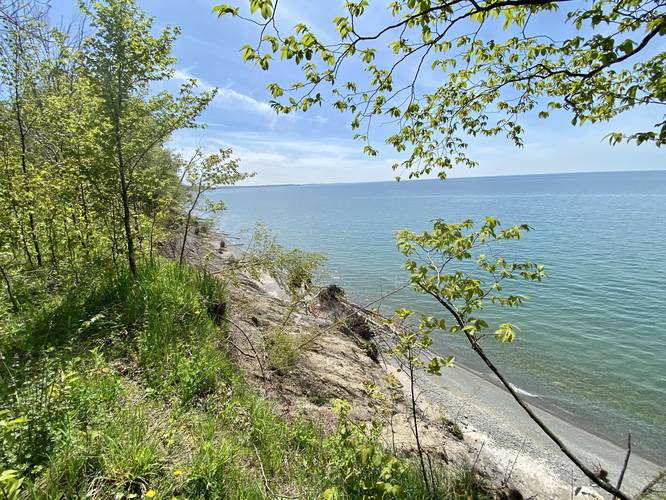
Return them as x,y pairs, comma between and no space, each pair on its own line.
120,62
368,470
205,173
84,173
430,255
294,270
493,58
145,401
462,293
10,484
282,349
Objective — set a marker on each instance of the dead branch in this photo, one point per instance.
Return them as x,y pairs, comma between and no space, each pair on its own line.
626,463
650,486
249,341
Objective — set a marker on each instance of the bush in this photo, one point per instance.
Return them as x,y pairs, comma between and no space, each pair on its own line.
363,469
294,270
282,349
358,458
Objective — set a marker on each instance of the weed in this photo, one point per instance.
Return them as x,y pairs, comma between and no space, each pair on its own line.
282,349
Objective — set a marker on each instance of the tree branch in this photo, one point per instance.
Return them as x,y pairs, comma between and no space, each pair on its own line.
476,347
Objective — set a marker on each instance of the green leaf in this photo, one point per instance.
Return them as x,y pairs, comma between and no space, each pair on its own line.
223,9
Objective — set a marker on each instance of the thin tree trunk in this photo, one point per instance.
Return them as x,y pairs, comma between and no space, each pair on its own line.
26,248
24,167
625,464
187,225
137,229
127,222
69,239
415,421
12,298
113,233
127,215
476,347
84,206
152,232
52,245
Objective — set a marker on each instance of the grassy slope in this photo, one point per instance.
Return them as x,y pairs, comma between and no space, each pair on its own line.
121,389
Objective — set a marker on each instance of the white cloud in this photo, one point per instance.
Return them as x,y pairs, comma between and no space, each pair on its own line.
290,160
228,98
183,75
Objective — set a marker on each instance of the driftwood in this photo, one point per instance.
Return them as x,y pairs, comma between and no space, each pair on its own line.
650,486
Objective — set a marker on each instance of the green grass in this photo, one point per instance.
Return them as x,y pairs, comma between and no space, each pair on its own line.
117,388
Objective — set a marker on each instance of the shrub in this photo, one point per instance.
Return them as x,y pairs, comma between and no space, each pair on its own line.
360,462
282,349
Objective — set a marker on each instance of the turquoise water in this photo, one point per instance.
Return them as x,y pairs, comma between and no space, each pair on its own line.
593,339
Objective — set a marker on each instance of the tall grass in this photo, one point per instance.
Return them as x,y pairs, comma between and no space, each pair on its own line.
119,389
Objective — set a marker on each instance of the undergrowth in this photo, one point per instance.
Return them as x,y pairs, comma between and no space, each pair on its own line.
118,388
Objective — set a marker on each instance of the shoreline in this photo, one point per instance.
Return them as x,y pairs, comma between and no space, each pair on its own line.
486,411
454,178
545,404
506,437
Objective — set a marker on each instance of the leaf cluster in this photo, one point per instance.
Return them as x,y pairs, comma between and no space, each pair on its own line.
493,61
434,259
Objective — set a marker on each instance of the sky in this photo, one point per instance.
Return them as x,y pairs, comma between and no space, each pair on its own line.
318,146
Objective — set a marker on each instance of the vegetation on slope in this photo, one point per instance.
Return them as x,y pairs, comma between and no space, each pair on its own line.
119,388
113,380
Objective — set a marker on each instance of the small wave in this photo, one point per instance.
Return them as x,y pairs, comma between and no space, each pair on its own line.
524,392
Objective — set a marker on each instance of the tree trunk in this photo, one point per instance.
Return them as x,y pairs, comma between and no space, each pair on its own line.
127,218
84,207
26,248
24,167
127,215
52,246
13,300
476,347
415,421
187,225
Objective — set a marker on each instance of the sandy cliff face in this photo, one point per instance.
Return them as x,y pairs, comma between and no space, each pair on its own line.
336,363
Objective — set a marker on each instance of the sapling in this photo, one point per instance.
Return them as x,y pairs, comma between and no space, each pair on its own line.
461,294
204,174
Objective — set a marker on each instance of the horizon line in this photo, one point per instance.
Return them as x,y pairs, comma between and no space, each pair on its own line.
581,172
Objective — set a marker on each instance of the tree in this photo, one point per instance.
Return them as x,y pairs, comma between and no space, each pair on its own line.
494,62
121,60
205,173
19,55
62,200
